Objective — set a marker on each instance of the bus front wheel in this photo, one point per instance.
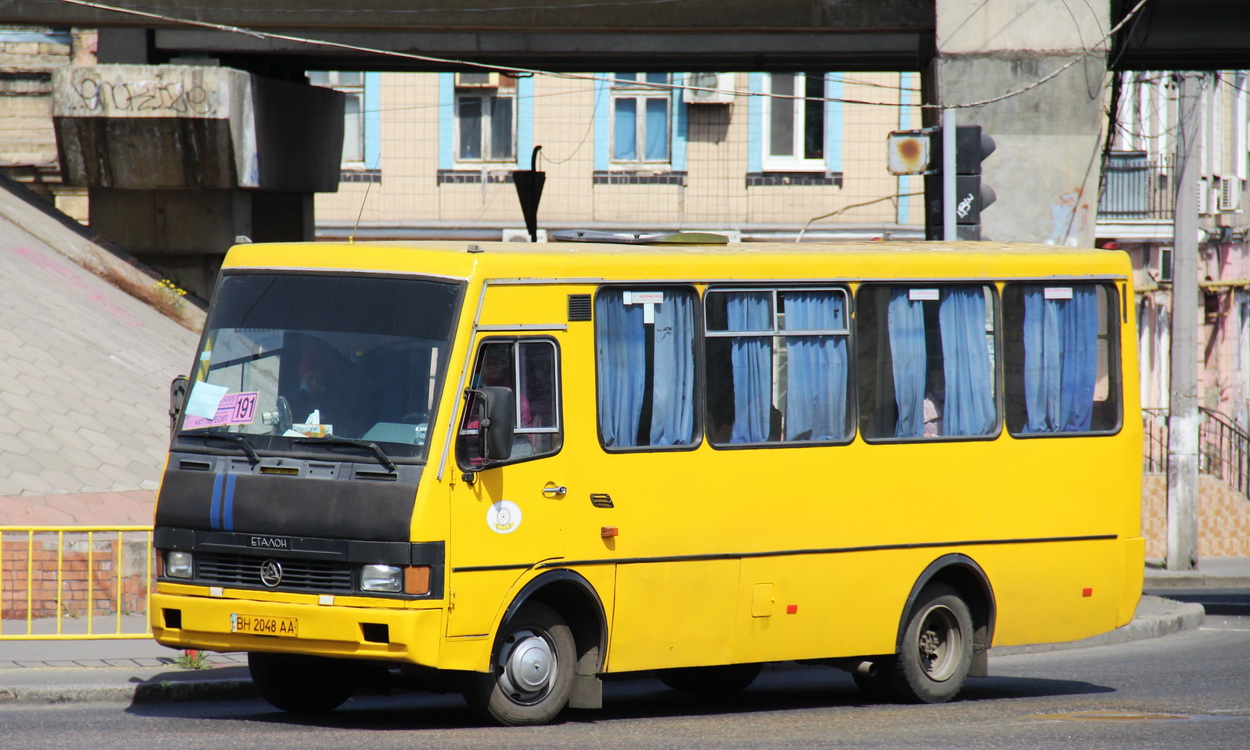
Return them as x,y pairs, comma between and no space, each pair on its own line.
301,684
532,670
936,651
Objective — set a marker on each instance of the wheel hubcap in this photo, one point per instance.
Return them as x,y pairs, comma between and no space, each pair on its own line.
939,643
529,664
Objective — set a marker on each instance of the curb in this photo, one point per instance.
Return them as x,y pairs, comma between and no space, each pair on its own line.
145,692
1195,580
1182,617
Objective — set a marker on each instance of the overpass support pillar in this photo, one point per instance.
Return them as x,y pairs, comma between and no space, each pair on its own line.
1048,126
179,160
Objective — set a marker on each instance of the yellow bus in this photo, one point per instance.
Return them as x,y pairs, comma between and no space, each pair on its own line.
514,469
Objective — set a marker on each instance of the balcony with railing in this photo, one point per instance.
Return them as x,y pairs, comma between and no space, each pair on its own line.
1136,186
1223,448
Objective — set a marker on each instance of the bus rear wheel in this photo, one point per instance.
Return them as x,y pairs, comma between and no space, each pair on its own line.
301,684
532,674
936,651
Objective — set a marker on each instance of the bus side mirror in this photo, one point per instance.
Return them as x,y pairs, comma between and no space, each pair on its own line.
177,395
497,421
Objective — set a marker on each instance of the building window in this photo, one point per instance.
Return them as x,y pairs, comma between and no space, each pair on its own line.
794,122
485,117
352,85
641,118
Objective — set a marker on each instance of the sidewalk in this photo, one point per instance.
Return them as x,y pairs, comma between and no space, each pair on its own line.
140,671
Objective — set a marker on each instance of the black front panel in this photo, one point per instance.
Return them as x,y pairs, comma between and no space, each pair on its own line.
304,564
217,498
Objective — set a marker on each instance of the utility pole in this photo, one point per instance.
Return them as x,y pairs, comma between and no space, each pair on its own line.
1183,413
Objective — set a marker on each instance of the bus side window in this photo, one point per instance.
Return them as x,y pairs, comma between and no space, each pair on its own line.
529,368
1062,358
777,366
645,367
926,361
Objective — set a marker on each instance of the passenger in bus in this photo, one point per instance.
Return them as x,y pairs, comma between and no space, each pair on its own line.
934,402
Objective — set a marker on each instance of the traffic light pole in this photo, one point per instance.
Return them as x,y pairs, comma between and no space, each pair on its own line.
950,229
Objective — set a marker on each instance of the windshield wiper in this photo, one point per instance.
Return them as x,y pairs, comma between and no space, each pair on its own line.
252,455
377,451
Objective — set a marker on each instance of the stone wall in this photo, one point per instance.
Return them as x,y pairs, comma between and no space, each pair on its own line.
1223,518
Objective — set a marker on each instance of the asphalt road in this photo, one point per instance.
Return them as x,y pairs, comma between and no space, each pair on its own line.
1188,690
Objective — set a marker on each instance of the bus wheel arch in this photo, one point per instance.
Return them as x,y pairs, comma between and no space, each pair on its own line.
945,631
963,574
556,612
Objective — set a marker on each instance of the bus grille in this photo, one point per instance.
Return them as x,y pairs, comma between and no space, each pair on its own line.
297,575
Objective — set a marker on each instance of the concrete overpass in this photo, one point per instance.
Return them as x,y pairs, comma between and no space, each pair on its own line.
605,34
1031,72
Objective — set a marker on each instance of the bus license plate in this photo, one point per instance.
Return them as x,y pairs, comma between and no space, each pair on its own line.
285,627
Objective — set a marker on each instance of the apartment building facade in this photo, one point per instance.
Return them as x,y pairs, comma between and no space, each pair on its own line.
758,155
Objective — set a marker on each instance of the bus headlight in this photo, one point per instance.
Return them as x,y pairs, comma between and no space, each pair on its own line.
178,564
388,578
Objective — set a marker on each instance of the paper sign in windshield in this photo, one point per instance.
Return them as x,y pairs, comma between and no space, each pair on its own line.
234,408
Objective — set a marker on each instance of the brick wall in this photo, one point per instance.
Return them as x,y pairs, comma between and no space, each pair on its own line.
90,574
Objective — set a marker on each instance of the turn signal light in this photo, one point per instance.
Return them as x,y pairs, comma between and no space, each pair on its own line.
417,579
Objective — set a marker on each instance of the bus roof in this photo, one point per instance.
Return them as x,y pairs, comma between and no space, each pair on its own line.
574,261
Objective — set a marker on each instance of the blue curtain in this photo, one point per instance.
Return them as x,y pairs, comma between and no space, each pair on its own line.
905,319
816,368
1060,360
620,359
751,357
969,407
672,399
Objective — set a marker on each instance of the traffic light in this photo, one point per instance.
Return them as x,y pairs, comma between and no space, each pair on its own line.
972,146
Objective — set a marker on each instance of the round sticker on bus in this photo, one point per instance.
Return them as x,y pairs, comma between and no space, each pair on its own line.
503,517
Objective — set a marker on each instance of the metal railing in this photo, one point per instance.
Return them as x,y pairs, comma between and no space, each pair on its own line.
1223,448
1137,185
75,582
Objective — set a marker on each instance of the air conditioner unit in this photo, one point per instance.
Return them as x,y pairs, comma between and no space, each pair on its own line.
709,88
1230,194
522,235
477,80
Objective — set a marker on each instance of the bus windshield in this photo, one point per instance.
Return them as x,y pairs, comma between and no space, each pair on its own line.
291,357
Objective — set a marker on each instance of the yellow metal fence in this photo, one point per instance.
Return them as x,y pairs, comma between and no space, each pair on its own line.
75,582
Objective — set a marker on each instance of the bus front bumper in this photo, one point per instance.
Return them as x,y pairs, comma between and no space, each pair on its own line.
194,619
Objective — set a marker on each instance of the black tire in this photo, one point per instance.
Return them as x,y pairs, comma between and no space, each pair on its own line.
936,651
533,665
301,684
719,680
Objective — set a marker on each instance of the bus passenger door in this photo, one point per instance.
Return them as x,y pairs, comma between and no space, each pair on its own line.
509,517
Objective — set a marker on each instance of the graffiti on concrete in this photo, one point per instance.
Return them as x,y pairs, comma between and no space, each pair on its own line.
148,97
